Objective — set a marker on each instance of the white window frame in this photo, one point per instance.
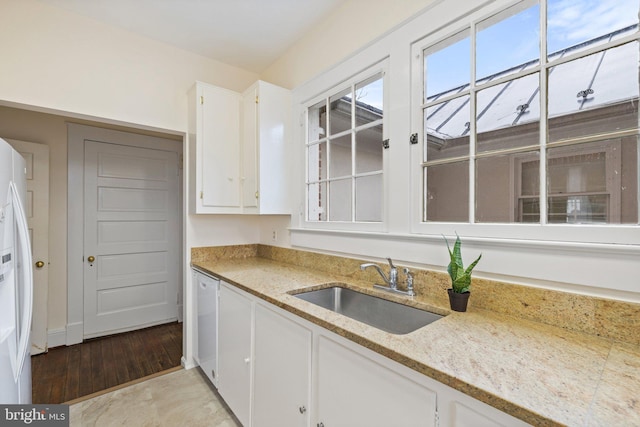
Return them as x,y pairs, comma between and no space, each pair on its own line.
379,68
573,233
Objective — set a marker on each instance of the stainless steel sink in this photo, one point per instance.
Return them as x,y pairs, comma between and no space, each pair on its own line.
377,312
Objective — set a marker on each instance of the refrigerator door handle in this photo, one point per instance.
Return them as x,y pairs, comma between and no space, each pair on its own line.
24,258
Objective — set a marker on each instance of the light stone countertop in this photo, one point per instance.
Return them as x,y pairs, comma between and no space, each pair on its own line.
542,374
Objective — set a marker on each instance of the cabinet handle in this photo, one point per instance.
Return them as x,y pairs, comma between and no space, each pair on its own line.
302,409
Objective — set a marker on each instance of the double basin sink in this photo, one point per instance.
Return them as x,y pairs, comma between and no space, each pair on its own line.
380,313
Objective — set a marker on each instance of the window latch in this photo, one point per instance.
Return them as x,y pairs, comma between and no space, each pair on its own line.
413,139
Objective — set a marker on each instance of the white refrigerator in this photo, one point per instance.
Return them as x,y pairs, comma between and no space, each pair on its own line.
16,281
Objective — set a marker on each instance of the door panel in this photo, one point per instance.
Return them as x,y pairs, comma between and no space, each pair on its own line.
131,206
37,209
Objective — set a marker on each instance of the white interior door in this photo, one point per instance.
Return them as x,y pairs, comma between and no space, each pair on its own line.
131,241
37,209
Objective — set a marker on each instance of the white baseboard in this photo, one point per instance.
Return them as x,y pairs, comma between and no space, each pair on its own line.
75,333
187,365
56,337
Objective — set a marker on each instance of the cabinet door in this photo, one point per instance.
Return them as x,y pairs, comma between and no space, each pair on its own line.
250,149
265,149
457,409
234,351
282,371
219,136
354,390
207,344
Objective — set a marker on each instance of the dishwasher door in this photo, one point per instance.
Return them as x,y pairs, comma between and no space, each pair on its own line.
207,346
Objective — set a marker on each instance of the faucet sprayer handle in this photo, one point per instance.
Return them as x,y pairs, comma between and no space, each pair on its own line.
409,275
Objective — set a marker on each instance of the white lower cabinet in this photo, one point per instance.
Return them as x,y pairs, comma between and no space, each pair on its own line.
277,369
234,350
353,390
281,370
456,409
207,325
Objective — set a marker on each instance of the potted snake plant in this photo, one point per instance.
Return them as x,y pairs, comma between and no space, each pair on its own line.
460,277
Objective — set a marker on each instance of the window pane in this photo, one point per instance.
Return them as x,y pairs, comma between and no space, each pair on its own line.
340,112
508,40
340,200
340,156
317,117
447,66
594,182
447,129
527,172
369,150
530,178
571,23
592,209
496,183
594,94
369,97
317,155
529,210
448,192
508,114
577,173
317,200
369,198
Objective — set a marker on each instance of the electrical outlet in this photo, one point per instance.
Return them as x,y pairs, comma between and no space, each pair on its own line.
274,235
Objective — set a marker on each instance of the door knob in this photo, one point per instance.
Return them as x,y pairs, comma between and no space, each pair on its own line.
39,264
91,258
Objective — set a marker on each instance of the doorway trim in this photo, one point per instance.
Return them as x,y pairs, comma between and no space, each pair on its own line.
76,135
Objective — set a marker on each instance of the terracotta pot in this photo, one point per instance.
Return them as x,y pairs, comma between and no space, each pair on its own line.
458,301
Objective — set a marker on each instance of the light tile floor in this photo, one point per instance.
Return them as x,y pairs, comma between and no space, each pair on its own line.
181,398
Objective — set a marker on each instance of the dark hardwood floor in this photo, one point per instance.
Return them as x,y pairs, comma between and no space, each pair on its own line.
66,373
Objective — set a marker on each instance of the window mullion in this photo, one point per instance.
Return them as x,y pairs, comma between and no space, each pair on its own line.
353,153
328,180
472,128
544,96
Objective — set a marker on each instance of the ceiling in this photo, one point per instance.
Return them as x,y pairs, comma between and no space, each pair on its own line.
250,34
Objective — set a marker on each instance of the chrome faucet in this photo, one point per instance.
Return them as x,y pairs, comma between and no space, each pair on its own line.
392,280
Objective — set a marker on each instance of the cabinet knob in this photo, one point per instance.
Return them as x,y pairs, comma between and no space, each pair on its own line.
247,360
302,409
39,264
320,424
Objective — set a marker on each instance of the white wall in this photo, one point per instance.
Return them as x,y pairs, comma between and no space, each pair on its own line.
352,26
58,60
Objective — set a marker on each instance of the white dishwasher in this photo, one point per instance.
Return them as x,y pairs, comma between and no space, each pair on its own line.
207,344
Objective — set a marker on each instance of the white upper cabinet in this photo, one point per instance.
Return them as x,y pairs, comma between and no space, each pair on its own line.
265,149
214,123
238,149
